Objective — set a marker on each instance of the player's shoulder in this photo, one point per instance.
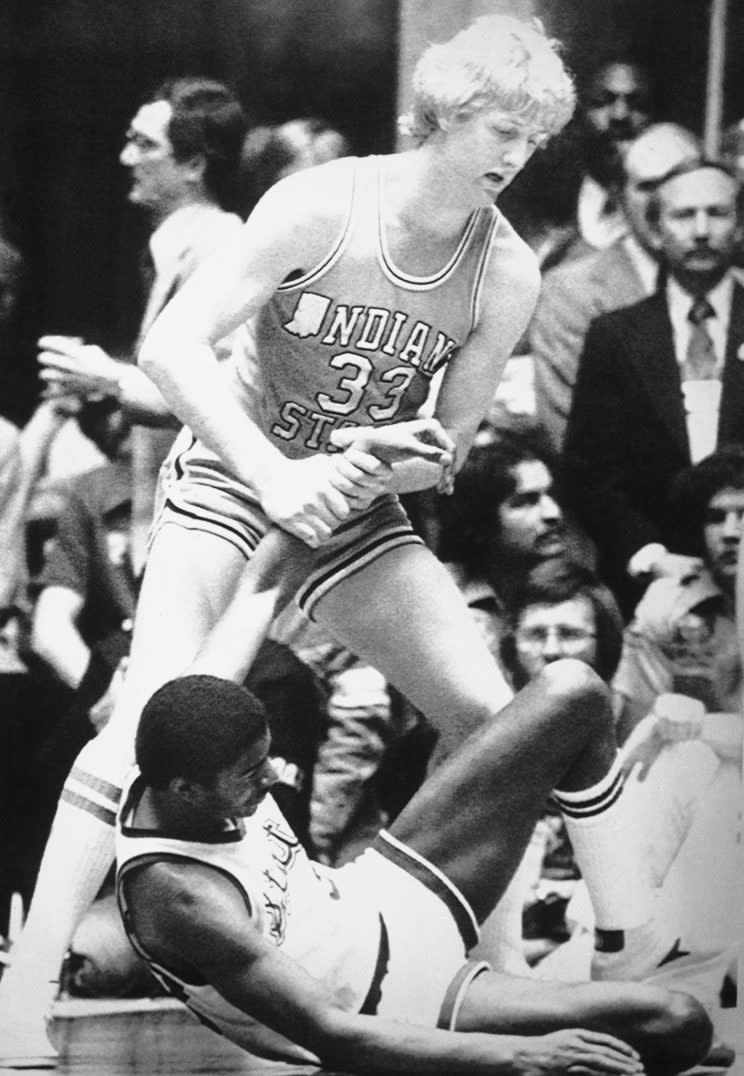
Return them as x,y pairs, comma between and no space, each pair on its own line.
512,264
315,198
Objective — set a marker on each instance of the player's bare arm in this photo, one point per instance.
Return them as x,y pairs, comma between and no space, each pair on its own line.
188,909
509,295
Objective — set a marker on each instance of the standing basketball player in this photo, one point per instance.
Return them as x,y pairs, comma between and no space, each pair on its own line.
360,279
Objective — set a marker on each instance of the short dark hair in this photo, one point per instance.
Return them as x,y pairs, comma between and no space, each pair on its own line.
469,518
194,726
559,580
694,488
206,119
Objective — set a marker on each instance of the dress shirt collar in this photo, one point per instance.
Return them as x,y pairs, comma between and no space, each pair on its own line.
597,226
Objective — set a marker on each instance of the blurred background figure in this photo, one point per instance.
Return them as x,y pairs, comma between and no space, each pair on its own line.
271,153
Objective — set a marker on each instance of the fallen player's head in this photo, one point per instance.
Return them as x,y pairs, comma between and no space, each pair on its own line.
209,734
497,62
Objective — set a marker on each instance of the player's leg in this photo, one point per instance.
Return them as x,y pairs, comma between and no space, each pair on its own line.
473,817
670,1030
189,580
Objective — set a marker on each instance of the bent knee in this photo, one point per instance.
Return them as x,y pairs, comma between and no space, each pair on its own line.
575,684
680,1028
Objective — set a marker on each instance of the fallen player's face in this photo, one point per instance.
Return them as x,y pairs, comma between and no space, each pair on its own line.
240,787
546,633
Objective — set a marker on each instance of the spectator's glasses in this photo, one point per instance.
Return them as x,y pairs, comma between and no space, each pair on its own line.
562,633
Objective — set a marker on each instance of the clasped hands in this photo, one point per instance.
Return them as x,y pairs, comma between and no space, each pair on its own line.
310,498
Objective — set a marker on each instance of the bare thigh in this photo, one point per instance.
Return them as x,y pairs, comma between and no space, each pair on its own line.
404,614
188,582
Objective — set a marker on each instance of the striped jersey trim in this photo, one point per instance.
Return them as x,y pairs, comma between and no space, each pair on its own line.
434,879
320,584
338,247
419,283
456,992
480,275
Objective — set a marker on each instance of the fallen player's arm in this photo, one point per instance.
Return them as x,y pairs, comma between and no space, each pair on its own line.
186,912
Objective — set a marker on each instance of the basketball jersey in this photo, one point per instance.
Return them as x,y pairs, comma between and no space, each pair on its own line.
355,341
315,915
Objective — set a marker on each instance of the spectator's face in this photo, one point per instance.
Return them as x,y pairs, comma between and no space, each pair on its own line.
698,227
724,517
240,787
651,157
159,182
615,110
546,633
531,525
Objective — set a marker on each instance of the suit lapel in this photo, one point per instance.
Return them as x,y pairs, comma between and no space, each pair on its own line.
652,354
731,421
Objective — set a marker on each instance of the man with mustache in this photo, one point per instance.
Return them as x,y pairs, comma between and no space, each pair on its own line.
660,384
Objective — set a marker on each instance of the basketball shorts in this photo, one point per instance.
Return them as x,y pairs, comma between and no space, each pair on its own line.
195,492
423,972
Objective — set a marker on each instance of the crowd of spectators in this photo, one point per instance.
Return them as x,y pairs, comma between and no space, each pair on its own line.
599,520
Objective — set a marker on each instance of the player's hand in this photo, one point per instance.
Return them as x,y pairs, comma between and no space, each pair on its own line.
422,438
70,366
642,753
678,717
303,498
579,1052
676,566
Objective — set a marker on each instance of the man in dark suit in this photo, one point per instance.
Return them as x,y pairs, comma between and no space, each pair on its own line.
660,384
576,292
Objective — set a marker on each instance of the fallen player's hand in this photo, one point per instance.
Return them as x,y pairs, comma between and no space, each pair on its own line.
679,717
588,1053
421,438
70,366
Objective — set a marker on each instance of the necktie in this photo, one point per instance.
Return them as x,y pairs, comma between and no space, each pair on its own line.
700,361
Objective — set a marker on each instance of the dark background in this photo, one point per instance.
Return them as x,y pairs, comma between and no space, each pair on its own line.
72,73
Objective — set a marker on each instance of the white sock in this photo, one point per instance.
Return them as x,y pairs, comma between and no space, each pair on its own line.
77,857
606,834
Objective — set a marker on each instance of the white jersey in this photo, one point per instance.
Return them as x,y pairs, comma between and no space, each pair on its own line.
316,916
354,340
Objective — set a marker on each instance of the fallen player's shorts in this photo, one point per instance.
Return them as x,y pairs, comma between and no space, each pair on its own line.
195,492
423,972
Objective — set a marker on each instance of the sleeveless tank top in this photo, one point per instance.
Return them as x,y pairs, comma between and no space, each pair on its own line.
354,341
315,915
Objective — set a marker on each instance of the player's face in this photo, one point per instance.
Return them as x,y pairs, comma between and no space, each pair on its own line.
531,522
159,182
698,228
724,518
489,148
546,633
240,787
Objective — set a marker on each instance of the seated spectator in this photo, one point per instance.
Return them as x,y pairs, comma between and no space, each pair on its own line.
626,271
682,638
659,385
503,518
564,611
680,681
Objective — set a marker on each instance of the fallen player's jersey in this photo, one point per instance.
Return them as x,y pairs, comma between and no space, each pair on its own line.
317,917
354,340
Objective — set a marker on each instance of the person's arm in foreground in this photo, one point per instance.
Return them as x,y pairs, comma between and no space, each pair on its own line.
192,912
